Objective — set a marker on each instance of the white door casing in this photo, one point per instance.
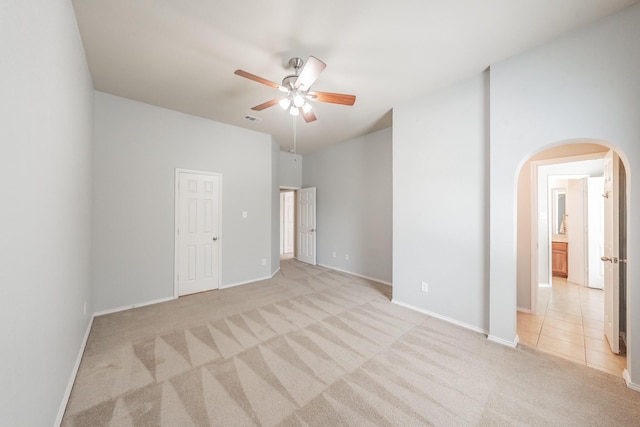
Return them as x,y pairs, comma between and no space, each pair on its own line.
307,225
287,222
611,248
197,237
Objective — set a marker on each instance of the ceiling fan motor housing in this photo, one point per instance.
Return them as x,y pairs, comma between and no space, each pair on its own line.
290,81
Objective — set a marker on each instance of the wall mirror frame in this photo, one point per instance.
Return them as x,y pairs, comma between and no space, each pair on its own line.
559,213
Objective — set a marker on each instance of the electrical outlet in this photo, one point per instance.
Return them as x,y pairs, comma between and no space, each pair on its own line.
346,256
425,287
334,254
244,214
264,261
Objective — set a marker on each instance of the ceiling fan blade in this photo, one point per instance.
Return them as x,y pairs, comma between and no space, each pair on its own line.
334,98
308,117
259,79
309,73
267,104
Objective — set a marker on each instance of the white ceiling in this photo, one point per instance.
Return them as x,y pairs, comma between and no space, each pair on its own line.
181,54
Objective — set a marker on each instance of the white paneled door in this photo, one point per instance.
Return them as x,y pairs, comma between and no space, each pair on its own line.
595,210
307,225
611,249
197,232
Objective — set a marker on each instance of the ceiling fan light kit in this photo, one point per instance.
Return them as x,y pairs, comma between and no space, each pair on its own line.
296,86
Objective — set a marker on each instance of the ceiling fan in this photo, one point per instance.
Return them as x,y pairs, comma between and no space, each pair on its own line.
296,88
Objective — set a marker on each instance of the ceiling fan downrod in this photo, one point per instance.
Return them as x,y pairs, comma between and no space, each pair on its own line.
289,81
296,64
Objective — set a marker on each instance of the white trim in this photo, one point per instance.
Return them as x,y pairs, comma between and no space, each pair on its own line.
176,215
356,274
627,378
287,188
275,272
439,316
524,310
511,344
72,378
573,158
533,243
129,307
259,279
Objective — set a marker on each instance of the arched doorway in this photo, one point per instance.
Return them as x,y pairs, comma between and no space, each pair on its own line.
564,316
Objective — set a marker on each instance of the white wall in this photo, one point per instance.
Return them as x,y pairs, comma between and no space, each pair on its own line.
440,209
584,85
354,196
137,148
290,166
523,249
45,219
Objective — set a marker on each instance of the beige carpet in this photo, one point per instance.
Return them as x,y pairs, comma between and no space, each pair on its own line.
321,348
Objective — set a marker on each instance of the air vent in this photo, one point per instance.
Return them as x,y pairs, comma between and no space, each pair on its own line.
253,119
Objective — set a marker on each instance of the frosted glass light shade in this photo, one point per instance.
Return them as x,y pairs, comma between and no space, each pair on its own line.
284,103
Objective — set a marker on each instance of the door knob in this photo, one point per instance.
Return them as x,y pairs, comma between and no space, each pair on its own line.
605,258
215,239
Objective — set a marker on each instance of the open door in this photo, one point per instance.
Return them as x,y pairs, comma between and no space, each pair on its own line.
611,251
307,225
595,210
287,223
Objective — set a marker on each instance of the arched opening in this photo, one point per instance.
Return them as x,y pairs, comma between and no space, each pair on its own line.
559,194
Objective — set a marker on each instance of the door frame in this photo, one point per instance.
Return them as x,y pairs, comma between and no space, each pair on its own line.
295,220
176,224
534,265
612,287
295,217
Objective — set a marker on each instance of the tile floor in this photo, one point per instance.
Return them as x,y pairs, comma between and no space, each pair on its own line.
569,322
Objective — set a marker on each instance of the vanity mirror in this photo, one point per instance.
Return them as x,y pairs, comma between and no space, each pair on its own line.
559,215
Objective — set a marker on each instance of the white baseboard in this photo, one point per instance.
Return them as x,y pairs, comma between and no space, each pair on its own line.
128,307
275,272
627,379
441,317
72,378
159,300
356,274
524,310
246,282
74,372
501,341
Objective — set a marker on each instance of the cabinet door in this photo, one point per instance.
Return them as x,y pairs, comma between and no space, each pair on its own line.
559,263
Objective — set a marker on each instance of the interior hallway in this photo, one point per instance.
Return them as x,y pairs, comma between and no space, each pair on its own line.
570,324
